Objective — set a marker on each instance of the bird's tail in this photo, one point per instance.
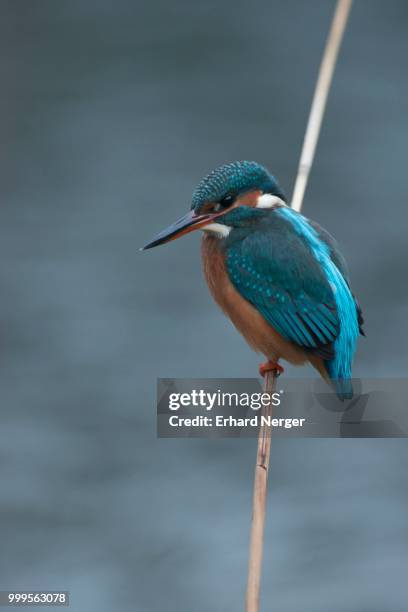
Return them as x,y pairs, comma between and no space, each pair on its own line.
342,386
340,376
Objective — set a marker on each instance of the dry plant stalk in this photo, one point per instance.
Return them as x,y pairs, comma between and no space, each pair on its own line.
306,160
259,502
321,92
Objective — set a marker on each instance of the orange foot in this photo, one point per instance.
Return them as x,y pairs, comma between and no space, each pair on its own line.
271,366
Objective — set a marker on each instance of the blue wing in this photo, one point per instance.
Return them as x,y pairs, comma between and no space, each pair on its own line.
341,264
274,269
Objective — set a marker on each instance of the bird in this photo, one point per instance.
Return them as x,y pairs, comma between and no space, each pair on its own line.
279,276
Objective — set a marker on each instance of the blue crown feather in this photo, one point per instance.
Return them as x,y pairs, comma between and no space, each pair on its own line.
234,178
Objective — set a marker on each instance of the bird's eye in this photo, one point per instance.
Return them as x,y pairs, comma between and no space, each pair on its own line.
224,203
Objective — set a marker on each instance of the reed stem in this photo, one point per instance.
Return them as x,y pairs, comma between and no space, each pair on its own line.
319,102
259,503
305,164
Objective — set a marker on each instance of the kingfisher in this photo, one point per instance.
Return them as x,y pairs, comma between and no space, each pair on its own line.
278,276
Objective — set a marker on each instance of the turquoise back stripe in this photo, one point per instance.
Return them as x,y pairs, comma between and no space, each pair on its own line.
345,343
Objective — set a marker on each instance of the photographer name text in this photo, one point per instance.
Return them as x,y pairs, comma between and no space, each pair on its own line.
230,421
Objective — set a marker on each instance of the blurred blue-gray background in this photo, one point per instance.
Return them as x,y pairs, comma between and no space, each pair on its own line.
110,113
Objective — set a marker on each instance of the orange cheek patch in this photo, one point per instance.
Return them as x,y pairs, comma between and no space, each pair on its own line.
248,199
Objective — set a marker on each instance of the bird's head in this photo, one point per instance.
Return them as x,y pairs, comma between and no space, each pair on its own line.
219,194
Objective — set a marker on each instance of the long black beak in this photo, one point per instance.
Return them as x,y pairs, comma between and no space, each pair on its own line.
190,222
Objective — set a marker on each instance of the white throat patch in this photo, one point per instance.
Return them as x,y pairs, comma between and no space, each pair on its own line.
268,200
217,228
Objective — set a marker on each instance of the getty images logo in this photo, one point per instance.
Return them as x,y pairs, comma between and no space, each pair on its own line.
221,399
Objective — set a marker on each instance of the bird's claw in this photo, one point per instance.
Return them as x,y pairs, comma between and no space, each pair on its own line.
270,366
